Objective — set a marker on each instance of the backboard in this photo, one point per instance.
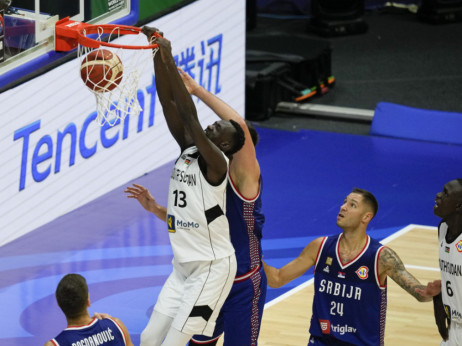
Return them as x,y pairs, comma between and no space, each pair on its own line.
28,42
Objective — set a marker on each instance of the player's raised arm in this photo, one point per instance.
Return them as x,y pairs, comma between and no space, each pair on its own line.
245,169
165,92
390,264
216,165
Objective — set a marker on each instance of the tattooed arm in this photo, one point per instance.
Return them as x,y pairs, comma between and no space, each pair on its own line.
391,265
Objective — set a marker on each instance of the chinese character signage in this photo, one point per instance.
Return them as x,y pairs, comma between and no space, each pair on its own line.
204,66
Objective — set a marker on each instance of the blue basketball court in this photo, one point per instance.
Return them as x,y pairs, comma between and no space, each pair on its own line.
125,255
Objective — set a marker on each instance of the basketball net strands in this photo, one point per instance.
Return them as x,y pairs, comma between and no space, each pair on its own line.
119,99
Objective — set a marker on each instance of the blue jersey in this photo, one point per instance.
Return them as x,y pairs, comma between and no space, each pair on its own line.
98,332
246,221
349,303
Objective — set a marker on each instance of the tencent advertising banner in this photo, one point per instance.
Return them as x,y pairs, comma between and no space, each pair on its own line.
56,158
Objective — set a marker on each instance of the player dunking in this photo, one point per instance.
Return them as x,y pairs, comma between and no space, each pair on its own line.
351,270
241,314
72,297
448,290
204,263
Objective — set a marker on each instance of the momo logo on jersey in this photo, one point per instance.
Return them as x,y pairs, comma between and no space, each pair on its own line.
363,272
171,223
454,314
174,224
42,153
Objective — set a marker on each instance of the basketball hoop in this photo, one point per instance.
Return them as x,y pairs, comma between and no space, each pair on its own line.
113,104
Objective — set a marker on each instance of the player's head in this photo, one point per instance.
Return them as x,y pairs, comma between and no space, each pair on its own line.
449,201
358,208
227,135
368,199
72,295
253,133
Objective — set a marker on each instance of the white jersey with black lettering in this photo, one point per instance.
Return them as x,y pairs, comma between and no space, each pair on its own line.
197,225
450,256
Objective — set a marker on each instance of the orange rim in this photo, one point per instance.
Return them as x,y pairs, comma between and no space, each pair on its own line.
109,29
69,34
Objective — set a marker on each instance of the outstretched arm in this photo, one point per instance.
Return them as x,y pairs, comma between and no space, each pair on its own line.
147,201
391,265
294,269
179,100
244,168
165,92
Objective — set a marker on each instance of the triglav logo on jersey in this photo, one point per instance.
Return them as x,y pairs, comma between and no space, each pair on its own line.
342,330
363,272
459,246
325,326
171,223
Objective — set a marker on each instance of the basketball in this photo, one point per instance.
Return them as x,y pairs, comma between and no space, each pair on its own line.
101,70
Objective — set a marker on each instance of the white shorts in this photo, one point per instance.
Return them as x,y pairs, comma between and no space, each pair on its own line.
455,335
195,292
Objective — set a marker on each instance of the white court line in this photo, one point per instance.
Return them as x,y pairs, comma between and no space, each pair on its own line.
433,269
405,230
384,241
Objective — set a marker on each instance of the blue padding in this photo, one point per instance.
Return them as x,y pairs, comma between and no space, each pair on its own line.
393,120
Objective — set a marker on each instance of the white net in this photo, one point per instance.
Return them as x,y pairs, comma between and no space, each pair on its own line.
115,84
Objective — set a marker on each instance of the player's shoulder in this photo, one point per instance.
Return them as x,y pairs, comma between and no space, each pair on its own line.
374,243
116,320
315,244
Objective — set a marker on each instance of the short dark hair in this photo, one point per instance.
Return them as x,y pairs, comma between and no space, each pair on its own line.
238,138
459,181
253,133
368,198
72,295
